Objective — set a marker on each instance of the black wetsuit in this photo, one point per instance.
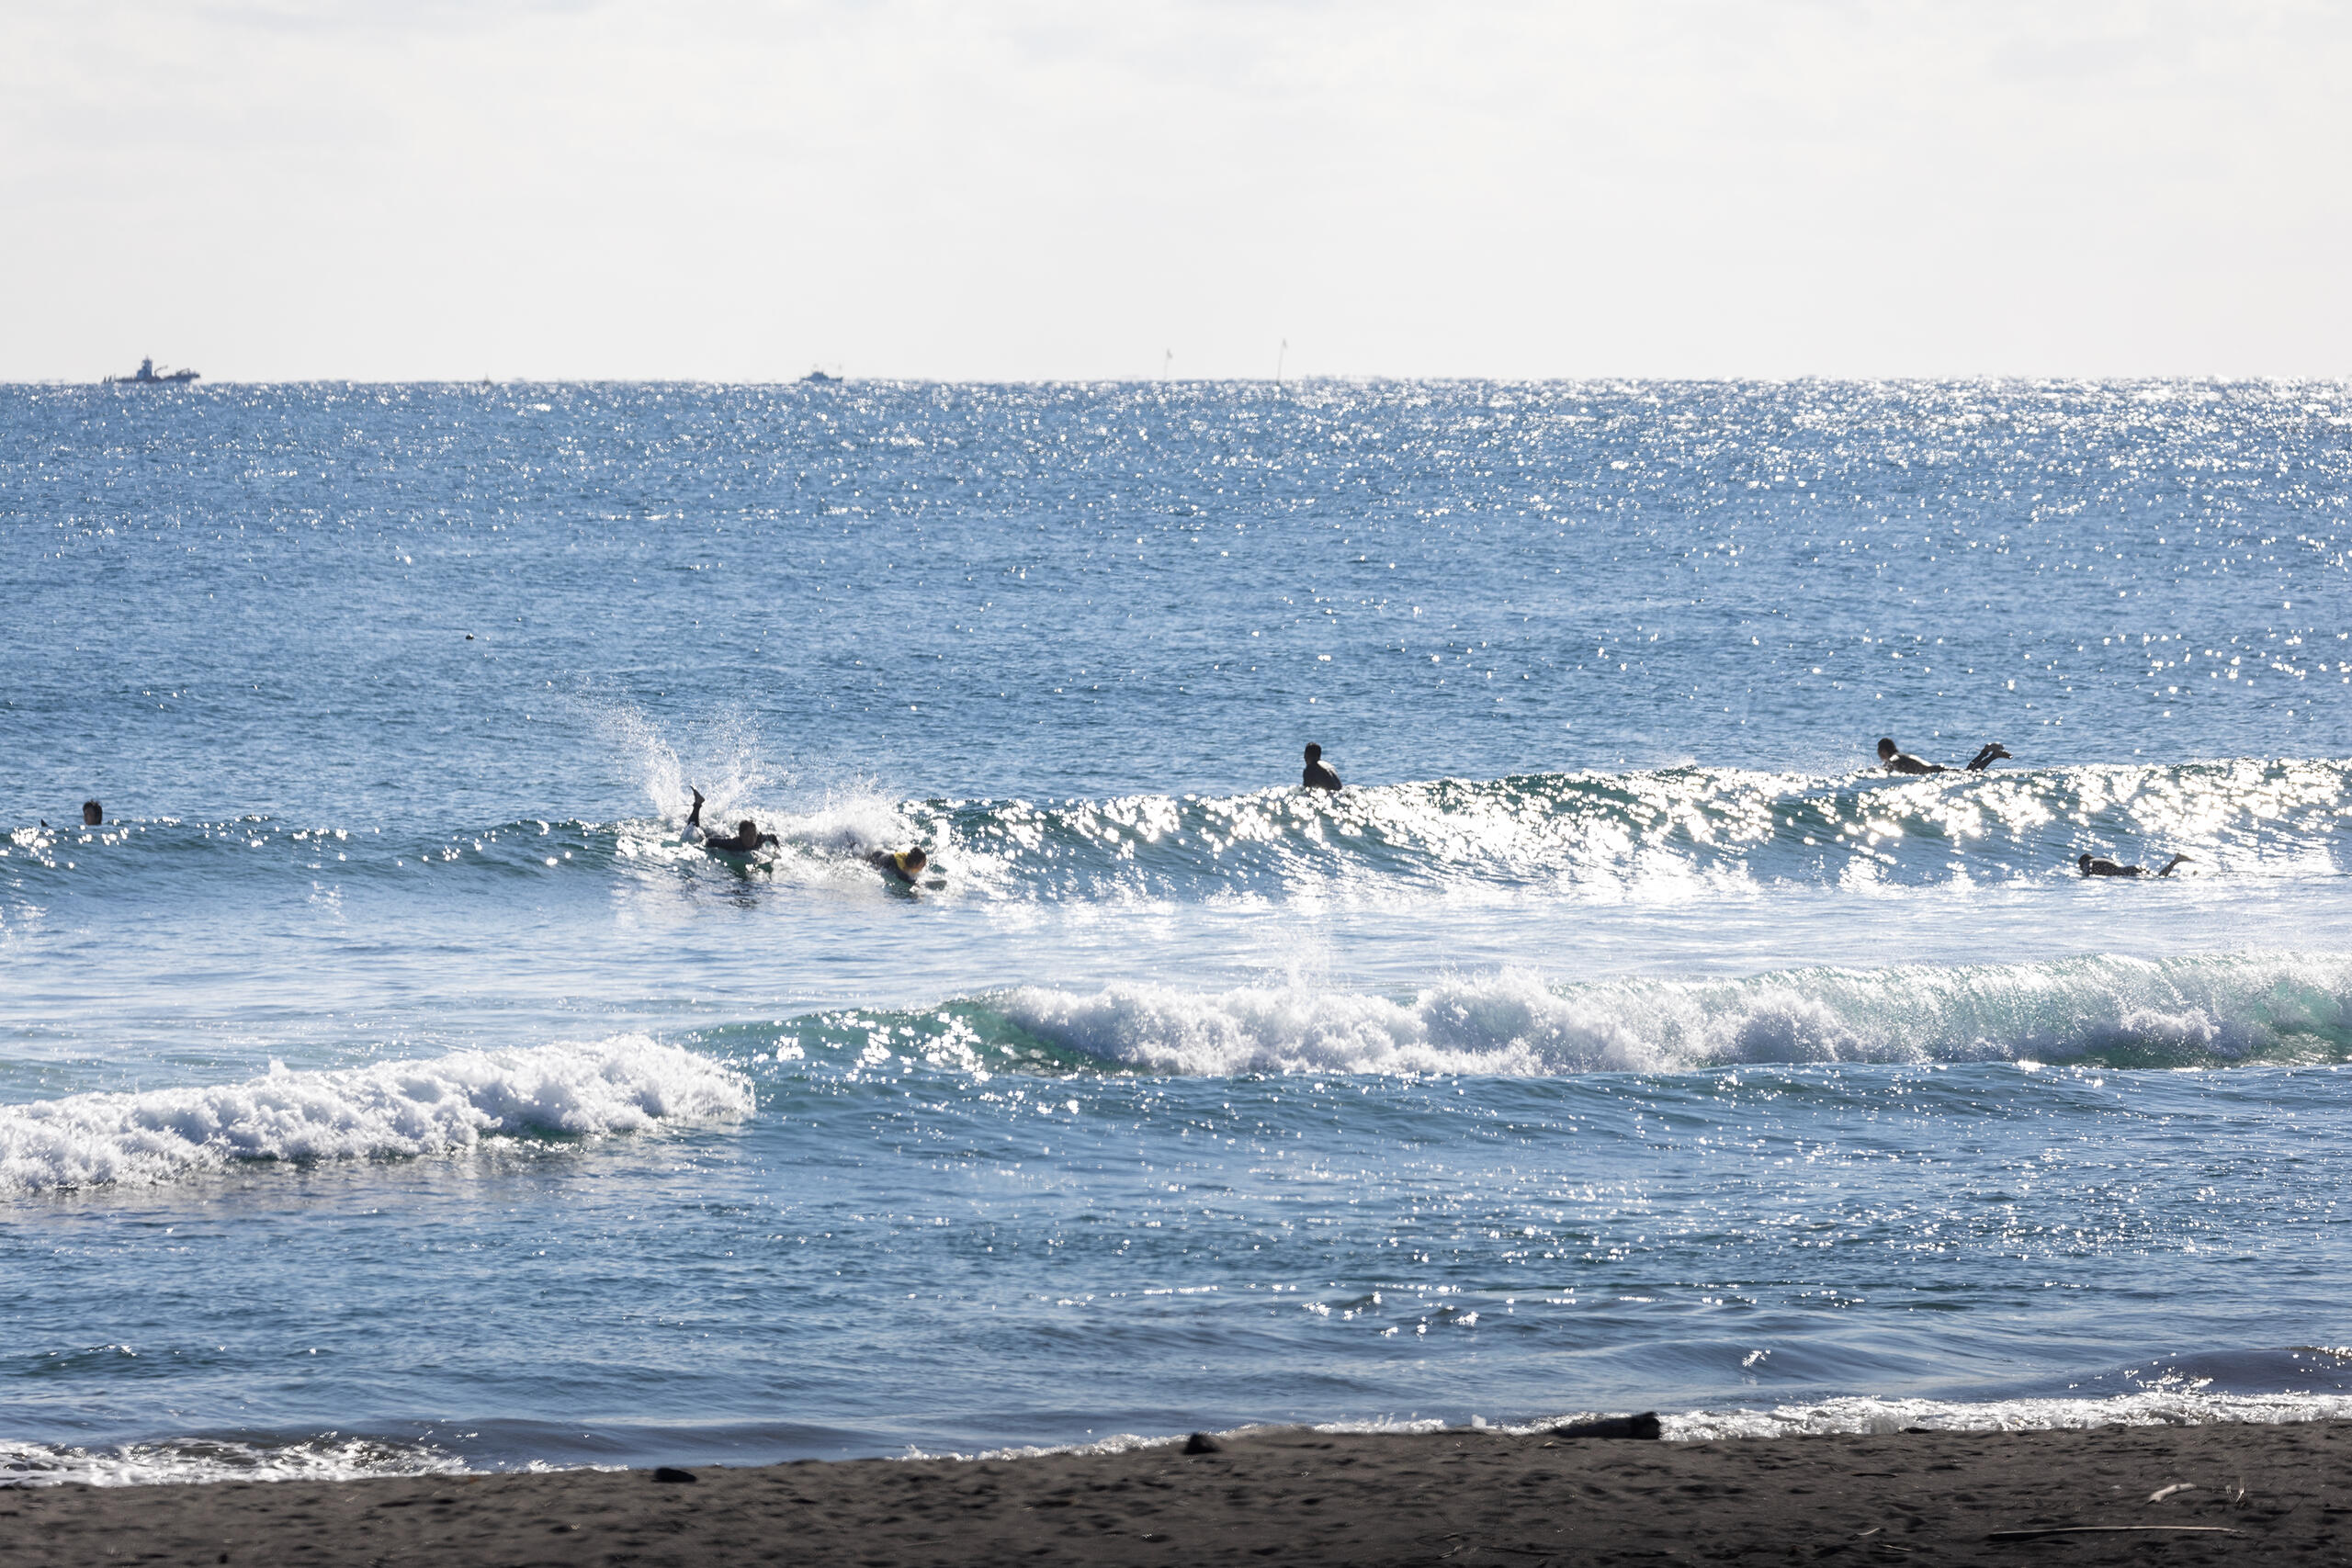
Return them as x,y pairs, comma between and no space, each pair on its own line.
1318,776
732,843
1904,762
2091,865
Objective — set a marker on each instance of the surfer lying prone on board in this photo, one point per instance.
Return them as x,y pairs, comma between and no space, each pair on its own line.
903,866
1895,760
746,837
2091,865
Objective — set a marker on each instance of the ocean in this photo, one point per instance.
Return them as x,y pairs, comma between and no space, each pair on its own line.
387,1085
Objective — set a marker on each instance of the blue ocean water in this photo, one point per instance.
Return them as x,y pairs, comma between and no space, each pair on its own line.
386,1084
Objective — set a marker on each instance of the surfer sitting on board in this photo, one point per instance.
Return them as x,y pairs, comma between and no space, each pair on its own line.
2093,866
746,837
1896,761
906,866
1318,773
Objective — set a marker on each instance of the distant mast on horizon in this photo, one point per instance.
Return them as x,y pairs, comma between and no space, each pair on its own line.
148,376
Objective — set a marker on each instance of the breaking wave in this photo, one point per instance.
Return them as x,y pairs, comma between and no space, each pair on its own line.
1611,833
388,1110
1589,834
2211,1010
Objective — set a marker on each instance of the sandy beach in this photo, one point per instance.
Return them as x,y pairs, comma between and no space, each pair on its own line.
2228,1493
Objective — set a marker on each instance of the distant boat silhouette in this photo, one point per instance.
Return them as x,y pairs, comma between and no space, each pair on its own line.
148,378
819,376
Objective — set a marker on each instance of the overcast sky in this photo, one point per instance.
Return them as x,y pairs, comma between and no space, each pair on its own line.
1015,190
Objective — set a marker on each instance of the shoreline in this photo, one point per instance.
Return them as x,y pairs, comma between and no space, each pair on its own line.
2222,1491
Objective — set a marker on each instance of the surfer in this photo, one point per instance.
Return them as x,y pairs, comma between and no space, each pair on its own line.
1896,761
2091,865
905,865
1318,773
93,814
746,835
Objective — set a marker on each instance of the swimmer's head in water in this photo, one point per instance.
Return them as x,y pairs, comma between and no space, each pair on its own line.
2083,860
747,828
916,860
1886,749
1314,753
92,814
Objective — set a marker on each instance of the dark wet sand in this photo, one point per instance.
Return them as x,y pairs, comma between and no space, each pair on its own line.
1289,1497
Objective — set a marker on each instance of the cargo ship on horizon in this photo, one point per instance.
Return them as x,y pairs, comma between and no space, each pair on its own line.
149,376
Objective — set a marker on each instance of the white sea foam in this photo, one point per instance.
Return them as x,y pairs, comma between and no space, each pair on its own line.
1670,834
331,1458
626,1084
2154,1408
1856,1416
835,834
1863,1414
2192,1010
197,1460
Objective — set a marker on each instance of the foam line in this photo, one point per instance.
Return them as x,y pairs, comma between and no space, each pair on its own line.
1852,1414
1877,1417
2206,1009
388,1110
194,1460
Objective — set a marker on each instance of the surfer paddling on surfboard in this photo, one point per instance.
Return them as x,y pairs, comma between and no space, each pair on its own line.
2092,865
746,835
1895,760
904,866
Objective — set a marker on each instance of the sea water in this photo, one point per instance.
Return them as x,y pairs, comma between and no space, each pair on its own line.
386,1085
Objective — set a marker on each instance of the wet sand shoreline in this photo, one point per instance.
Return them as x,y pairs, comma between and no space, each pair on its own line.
1293,1495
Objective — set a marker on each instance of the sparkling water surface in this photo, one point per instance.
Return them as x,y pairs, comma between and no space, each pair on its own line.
387,1085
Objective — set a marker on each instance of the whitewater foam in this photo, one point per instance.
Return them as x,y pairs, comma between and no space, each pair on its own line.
2192,1010
1645,837
195,1461
1867,1415
1870,1416
1852,1415
1664,832
387,1109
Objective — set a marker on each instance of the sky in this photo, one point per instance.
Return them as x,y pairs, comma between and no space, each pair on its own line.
1044,190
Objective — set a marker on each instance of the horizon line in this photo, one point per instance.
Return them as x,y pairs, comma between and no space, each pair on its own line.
202,381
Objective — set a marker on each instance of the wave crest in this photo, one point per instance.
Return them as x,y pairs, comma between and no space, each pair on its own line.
2209,1010
1595,837
1659,831
387,1109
